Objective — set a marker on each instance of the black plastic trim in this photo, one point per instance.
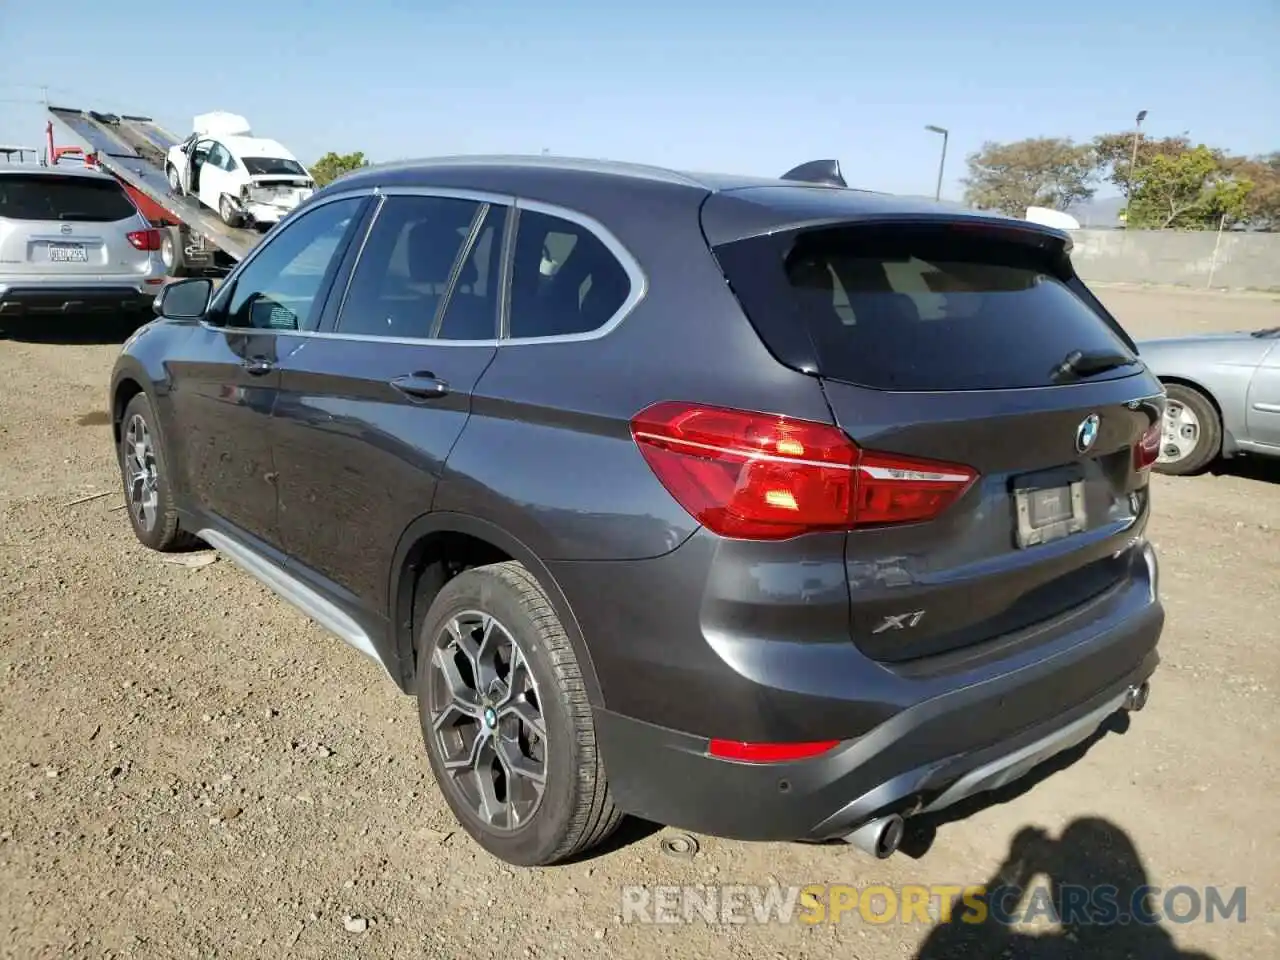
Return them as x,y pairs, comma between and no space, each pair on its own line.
401,590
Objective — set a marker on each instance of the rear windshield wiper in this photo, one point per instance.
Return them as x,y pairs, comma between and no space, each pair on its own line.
1078,363
1268,332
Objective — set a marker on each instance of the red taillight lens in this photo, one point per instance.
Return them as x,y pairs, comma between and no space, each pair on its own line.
1147,451
760,476
145,239
893,489
769,752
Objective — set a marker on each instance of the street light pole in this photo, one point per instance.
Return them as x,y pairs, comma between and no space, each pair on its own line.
1133,163
942,163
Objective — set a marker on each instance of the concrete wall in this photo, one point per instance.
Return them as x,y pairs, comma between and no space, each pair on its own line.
1242,260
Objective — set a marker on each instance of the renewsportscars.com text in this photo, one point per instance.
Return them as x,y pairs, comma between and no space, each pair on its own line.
1071,905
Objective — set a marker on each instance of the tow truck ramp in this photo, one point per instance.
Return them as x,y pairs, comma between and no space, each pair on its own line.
133,150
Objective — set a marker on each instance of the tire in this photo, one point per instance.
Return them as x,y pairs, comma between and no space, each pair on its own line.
156,524
227,213
1208,441
171,252
576,810
175,182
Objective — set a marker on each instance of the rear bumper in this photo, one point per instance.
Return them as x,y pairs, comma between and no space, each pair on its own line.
964,721
265,213
33,300
925,758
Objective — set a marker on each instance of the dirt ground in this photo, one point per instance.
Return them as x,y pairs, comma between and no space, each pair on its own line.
189,768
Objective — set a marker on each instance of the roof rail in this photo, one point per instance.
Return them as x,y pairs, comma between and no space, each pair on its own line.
823,172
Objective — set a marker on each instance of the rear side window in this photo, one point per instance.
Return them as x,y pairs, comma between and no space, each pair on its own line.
34,196
926,308
564,280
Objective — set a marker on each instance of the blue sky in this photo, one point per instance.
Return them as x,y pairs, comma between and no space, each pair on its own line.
747,87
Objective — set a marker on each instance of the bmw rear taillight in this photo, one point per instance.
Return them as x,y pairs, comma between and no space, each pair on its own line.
1147,451
759,476
145,239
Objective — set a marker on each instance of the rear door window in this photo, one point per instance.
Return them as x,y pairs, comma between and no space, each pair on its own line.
220,157
403,275
932,309
34,196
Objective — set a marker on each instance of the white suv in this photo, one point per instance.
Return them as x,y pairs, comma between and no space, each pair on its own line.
72,243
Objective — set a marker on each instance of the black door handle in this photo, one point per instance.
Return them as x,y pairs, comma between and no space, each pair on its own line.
257,366
421,386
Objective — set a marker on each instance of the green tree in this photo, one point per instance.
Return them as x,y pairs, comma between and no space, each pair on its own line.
1041,171
333,165
1113,154
1262,205
1190,191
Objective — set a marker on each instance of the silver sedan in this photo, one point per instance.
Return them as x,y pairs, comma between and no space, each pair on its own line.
1224,396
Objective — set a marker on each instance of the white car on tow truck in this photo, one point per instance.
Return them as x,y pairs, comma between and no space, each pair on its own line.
248,180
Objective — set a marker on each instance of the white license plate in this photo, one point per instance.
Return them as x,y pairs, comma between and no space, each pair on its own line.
67,253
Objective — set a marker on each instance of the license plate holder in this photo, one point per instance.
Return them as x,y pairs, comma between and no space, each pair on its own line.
68,253
1049,512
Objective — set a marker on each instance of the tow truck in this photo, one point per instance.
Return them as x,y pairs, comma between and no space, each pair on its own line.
194,241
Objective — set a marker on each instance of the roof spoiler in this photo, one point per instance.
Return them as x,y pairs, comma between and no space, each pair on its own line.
823,172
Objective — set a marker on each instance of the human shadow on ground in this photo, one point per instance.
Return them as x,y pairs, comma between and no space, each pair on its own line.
1097,891
922,830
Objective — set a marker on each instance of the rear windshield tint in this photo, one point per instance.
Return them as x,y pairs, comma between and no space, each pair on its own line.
27,196
926,308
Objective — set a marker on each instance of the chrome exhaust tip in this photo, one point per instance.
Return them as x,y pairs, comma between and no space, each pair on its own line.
880,837
1137,697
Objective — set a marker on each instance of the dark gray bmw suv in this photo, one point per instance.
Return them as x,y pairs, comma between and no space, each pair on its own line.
766,508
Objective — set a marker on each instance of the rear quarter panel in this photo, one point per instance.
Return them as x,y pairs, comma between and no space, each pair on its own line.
1220,368
547,454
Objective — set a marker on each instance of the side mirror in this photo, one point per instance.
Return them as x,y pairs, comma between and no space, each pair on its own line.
184,299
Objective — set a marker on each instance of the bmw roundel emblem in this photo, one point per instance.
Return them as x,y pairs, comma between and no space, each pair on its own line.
1087,432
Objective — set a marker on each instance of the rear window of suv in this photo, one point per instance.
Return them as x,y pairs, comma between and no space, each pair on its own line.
933,308
34,196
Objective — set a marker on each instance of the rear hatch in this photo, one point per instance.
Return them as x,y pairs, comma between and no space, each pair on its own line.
1005,423
278,181
283,192
69,225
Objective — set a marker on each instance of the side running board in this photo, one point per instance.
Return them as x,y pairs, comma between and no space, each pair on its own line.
290,589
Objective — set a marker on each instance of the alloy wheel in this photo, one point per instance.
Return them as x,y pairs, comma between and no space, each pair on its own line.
486,720
142,478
